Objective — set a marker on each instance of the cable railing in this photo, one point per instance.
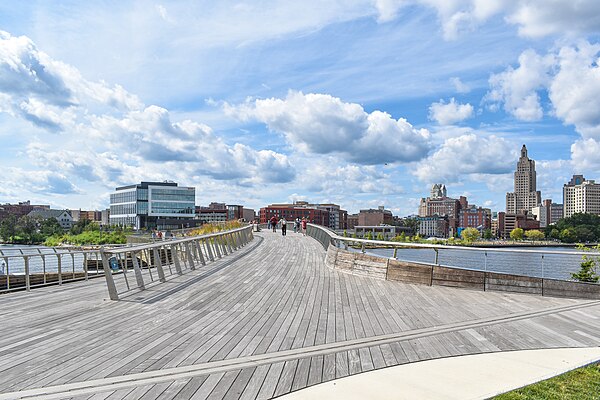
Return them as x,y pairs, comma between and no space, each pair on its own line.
134,267
125,267
526,270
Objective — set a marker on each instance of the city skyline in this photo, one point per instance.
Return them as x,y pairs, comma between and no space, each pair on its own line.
360,105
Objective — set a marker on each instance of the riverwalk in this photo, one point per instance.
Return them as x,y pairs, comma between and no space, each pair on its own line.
266,320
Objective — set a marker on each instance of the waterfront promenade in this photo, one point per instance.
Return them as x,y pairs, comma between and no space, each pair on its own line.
264,321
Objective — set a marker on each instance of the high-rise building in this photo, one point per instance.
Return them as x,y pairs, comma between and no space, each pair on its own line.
525,196
153,205
581,196
439,204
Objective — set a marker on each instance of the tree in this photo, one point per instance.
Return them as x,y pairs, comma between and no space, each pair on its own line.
568,235
487,234
50,226
469,235
587,272
554,233
27,227
517,234
534,234
8,228
380,236
368,236
413,224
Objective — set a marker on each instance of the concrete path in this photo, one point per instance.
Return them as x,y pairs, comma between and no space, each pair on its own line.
478,376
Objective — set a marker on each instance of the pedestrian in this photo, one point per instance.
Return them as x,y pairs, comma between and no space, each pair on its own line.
304,226
274,223
297,225
283,226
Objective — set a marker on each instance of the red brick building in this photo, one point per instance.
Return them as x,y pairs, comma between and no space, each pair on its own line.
475,217
375,217
292,211
20,209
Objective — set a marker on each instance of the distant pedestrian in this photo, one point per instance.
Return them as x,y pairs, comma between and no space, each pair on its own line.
274,223
304,226
283,226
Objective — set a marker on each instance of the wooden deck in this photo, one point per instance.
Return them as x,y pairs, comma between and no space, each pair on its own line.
261,322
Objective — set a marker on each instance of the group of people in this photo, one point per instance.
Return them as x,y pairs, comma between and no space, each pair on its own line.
299,225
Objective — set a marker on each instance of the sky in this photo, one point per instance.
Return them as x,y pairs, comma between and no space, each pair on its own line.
359,103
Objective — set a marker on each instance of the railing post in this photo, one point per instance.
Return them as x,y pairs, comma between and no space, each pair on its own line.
27,277
110,282
137,271
436,257
199,250
188,253
59,268
158,265
85,266
211,257
395,252
222,242
217,245
176,259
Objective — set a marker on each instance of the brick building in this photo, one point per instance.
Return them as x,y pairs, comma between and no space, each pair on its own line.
374,217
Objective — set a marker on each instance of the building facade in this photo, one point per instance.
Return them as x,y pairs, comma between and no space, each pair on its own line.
525,221
439,204
548,213
20,209
525,196
388,232
153,205
329,215
433,226
581,196
373,217
63,217
475,217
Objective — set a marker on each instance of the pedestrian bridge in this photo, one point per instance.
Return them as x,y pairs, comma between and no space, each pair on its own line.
264,320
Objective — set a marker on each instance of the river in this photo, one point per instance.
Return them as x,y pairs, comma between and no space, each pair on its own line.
557,266
42,259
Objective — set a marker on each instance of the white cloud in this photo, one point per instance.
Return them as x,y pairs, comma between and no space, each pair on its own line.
585,155
459,86
575,87
533,18
450,113
468,154
108,136
323,124
517,88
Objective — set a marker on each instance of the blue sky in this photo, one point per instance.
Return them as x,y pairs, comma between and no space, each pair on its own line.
361,103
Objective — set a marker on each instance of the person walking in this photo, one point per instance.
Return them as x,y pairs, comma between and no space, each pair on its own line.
274,223
304,226
297,225
283,226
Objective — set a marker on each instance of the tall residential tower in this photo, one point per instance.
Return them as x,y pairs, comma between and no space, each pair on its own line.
525,196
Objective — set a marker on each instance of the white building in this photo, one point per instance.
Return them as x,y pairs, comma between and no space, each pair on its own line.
581,196
64,217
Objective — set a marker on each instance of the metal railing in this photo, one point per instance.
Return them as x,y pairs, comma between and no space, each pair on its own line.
26,268
539,263
132,268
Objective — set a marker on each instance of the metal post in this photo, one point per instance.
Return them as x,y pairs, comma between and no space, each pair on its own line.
362,248
27,277
437,256
85,267
216,246
176,259
110,282
199,250
59,268
158,265
484,269
137,271
210,253
395,253
189,255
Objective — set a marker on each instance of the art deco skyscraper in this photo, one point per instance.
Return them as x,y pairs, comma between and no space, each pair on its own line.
525,196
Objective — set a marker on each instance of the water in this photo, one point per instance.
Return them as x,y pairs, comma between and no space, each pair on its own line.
42,259
556,266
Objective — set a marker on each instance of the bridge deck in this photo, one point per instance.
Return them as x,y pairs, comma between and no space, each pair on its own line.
261,322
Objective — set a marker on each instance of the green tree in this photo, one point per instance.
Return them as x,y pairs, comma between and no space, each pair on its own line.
380,236
568,235
369,236
413,224
587,271
8,228
517,234
27,228
534,235
84,225
487,234
345,234
50,226
554,233
469,235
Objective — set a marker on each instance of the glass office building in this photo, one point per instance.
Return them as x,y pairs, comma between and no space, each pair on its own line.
153,205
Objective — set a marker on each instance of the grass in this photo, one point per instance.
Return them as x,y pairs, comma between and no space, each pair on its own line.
579,384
